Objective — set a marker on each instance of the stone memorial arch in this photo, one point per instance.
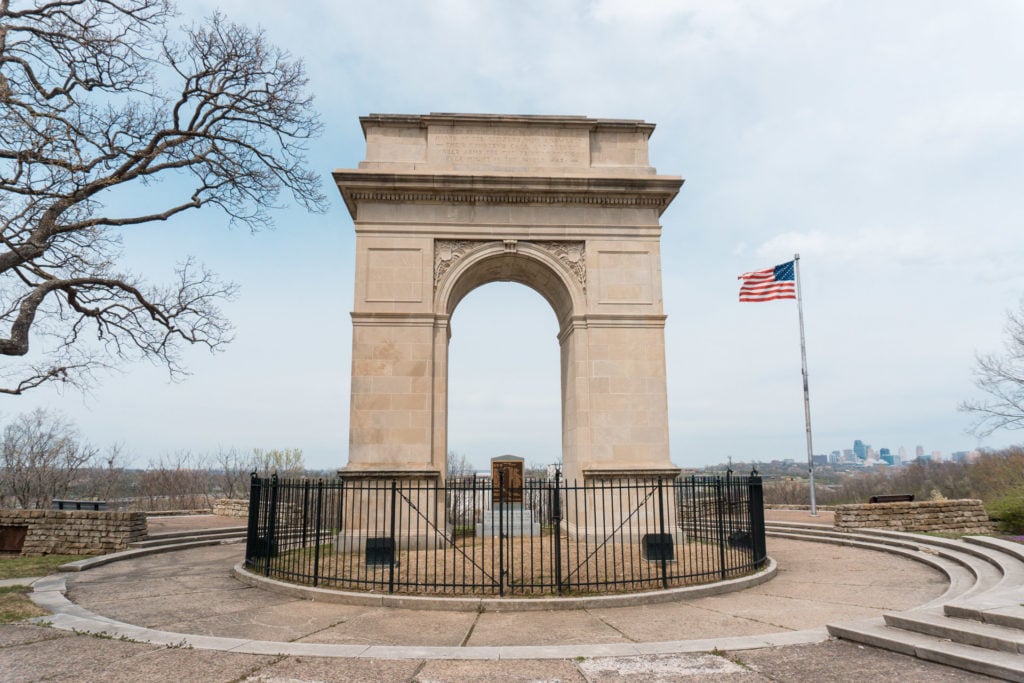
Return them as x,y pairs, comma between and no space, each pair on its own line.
568,206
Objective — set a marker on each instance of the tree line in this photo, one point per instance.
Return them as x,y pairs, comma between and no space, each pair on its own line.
43,457
996,478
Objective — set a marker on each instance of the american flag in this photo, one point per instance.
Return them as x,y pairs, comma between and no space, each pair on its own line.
769,284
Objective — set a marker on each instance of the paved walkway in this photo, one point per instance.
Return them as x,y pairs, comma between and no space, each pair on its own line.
192,595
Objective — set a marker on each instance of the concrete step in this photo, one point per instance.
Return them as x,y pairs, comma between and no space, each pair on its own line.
241,529
1001,610
969,657
980,562
1008,547
969,632
960,570
182,537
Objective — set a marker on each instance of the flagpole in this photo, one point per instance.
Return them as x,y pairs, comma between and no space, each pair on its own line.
803,372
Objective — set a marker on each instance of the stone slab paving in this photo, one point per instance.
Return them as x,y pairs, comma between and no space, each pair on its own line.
817,583
31,653
172,523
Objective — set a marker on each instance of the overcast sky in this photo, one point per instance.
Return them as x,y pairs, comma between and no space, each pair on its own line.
883,141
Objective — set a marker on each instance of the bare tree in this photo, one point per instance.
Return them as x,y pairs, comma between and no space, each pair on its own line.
1001,376
41,456
178,481
98,102
286,462
233,470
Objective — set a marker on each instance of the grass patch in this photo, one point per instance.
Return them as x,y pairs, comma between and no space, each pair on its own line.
15,605
16,566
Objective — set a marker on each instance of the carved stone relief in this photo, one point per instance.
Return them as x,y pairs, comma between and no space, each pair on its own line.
447,252
571,254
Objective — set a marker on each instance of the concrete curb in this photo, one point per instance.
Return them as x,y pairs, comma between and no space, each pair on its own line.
21,581
469,604
100,560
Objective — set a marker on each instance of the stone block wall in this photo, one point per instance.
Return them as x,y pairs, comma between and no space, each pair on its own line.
231,507
959,516
75,532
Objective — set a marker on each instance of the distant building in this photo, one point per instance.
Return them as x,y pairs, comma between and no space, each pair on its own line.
849,455
835,457
936,456
902,452
887,457
919,451
818,460
959,457
860,449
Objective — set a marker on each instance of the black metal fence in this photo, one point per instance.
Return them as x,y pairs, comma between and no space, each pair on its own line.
473,536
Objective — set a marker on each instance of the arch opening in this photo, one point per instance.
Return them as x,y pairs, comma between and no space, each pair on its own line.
531,266
503,377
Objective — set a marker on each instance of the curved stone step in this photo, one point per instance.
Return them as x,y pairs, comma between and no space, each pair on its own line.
1004,609
992,568
981,660
165,535
977,624
177,538
934,622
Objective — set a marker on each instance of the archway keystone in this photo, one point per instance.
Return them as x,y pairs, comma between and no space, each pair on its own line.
569,206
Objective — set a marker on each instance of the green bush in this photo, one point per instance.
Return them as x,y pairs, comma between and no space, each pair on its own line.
1008,511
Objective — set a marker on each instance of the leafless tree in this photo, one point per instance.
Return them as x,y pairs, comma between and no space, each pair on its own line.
287,462
178,481
98,102
1001,376
41,456
233,470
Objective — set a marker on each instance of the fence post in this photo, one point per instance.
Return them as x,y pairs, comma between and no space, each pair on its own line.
271,541
755,503
305,511
661,531
252,533
501,531
556,519
316,531
394,546
719,503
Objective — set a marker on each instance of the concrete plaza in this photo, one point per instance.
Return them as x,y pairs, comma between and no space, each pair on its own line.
772,632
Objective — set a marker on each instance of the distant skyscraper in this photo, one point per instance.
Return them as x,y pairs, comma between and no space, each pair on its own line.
936,456
849,455
919,451
882,452
902,452
860,450
886,457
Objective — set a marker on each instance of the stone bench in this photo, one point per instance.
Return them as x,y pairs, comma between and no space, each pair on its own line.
96,505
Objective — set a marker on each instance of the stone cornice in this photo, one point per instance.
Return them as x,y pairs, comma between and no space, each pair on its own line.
497,120
655,192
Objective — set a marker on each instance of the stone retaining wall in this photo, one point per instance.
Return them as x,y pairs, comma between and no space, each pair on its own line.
75,532
231,507
959,516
